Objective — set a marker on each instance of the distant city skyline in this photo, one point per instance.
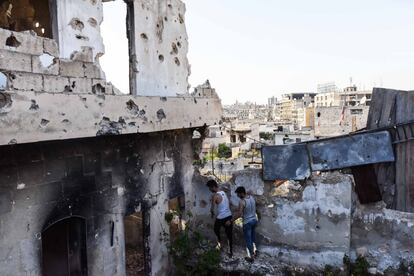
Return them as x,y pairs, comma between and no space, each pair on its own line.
253,50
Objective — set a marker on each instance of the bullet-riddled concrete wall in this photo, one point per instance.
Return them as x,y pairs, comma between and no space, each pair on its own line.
160,63
101,179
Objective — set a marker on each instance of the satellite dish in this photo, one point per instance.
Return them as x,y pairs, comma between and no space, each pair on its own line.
363,100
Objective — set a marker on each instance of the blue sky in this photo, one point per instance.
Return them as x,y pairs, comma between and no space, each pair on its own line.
251,50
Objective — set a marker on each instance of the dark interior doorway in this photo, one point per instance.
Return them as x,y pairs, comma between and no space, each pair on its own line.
64,248
134,245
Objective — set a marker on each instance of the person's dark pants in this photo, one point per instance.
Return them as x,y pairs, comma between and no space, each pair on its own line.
228,229
249,231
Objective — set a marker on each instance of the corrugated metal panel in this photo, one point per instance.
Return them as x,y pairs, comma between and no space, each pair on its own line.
285,162
351,151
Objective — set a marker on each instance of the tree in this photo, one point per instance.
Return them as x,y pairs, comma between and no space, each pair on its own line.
224,151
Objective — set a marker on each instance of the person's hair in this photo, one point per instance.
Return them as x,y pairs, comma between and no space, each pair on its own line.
241,190
212,183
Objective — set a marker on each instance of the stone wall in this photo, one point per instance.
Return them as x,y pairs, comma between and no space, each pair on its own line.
100,179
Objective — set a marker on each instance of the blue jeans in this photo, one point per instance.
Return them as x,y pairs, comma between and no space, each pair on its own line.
250,235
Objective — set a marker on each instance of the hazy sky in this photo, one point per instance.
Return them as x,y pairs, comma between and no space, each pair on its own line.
251,50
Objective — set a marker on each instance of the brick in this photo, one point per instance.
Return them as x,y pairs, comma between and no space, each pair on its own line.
93,71
26,81
50,47
55,84
12,61
26,42
72,69
37,66
81,85
85,54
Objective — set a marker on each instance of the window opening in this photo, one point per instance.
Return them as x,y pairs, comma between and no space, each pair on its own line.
25,15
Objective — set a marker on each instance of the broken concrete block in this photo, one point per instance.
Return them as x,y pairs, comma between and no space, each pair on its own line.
50,47
45,64
56,84
85,54
101,87
23,42
93,71
15,61
72,69
26,81
81,85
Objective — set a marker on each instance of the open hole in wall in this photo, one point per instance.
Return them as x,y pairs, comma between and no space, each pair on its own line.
176,207
24,15
64,248
134,244
115,62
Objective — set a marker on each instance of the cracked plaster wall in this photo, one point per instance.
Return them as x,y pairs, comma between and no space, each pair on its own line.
306,224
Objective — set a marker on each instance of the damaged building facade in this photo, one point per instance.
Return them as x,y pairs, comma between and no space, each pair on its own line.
86,172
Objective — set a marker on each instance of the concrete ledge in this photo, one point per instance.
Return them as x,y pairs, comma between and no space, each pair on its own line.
32,117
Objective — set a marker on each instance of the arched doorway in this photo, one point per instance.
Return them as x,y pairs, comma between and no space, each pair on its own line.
64,248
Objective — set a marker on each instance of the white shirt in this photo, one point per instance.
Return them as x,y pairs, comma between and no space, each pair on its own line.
223,208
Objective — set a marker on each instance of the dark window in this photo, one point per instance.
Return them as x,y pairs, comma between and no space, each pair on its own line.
233,138
24,15
64,248
356,111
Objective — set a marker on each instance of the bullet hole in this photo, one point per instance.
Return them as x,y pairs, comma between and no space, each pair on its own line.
46,60
195,100
93,22
5,101
179,44
163,99
144,36
65,121
161,58
73,84
82,37
12,142
170,6
318,114
98,89
131,124
77,24
177,61
93,2
174,49
161,114
165,18
68,88
12,41
44,122
181,18
132,107
34,106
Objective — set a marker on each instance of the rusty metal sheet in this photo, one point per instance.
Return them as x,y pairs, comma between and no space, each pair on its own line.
285,162
351,151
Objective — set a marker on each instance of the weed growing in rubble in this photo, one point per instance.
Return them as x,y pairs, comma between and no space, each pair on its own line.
358,268
192,253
